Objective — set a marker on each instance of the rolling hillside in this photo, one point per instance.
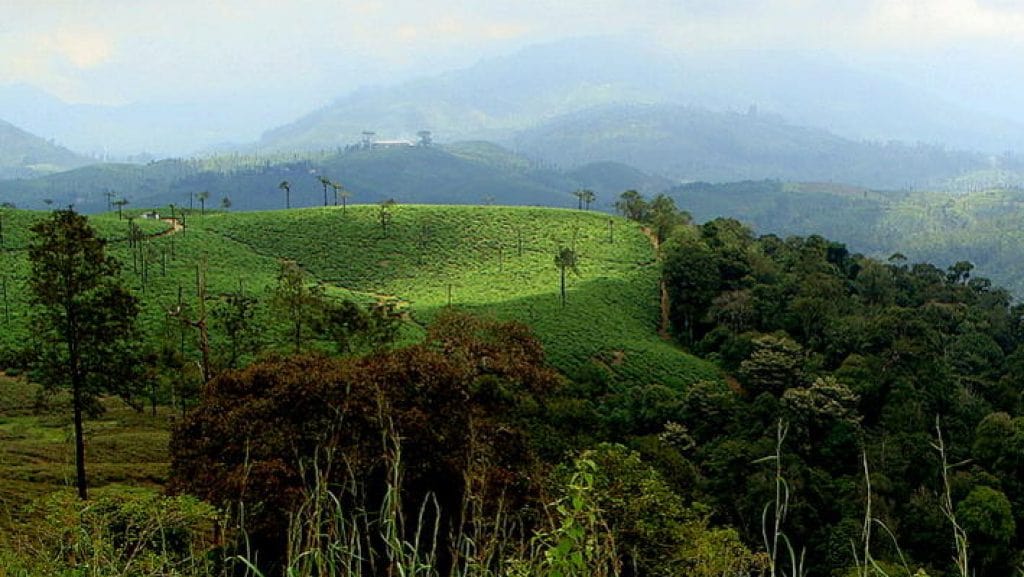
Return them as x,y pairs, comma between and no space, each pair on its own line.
690,144
24,155
463,173
493,260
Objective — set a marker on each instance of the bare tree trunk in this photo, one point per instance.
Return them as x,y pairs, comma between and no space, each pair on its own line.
83,492
76,401
563,285
204,337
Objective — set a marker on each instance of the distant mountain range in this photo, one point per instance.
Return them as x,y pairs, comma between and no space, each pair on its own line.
24,155
981,227
498,98
463,173
691,144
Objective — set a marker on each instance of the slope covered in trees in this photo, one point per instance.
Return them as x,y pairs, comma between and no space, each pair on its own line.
688,144
853,389
869,366
463,173
981,227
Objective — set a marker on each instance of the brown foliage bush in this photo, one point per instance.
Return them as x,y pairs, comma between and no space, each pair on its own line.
451,404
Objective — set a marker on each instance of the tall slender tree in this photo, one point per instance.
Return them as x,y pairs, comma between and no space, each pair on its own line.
296,302
84,319
287,188
336,187
344,193
120,203
202,196
584,196
588,197
566,260
325,182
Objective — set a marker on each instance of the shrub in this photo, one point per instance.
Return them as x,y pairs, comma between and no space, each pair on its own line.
653,531
127,534
449,403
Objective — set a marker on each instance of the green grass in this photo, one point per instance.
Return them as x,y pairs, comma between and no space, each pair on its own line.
491,260
37,445
495,261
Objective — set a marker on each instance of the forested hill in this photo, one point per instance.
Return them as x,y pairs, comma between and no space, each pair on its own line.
461,173
866,381
24,155
833,388
981,227
544,82
693,144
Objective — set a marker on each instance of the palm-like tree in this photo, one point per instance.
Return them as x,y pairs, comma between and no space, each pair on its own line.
325,182
344,193
579,197
335,186
120,205
588,197
110,194
202,196
287,188
566,260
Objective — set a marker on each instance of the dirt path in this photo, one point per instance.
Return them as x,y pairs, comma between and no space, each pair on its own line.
176,227
663,325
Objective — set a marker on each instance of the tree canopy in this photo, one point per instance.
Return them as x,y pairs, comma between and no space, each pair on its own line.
85,318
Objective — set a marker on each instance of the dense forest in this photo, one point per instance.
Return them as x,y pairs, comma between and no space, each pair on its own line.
978,224
866,420
897,386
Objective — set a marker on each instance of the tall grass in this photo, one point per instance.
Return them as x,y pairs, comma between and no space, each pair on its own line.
774,515
335,532
961,560
130,534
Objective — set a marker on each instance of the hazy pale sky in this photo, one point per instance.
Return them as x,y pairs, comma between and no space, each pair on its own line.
119,51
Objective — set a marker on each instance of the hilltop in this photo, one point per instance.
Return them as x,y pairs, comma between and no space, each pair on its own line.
24,155
492,260
693,144
497,98
462,173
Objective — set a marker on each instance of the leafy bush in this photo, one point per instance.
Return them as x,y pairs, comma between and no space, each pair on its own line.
652,529
127,534
450,403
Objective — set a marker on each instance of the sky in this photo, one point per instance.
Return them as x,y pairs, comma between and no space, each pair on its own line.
289,57
115,51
